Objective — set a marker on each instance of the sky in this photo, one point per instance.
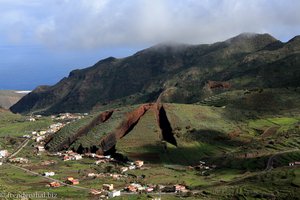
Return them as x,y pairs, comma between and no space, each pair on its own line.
41,41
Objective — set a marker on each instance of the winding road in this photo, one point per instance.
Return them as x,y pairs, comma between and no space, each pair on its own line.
271,159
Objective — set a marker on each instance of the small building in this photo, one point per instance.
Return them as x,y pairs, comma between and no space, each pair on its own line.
149,189
179,188
31,119
115,193
91,175
40,148
3,153
123,169
77,157
42,132
66,158
131,188
294,163
54,184
47,174
19,160
72,181
39,138
139,163
131,167
108,186
141,189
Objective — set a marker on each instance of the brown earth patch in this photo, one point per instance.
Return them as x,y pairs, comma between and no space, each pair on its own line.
218,85
270,131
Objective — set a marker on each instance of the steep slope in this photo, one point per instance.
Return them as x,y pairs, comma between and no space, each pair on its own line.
180,71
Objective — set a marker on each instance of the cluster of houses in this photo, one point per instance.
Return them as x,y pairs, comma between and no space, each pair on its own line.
68,116
69,155
107,191
19,160
132,165
291,164
138,188
202,166
39,136
104,175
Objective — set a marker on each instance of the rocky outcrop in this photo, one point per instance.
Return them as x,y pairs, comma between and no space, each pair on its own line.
65,144
218,85
108,142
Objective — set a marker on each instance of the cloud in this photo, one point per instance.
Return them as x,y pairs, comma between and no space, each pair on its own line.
82,24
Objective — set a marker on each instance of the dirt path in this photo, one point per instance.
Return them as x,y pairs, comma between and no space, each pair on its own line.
22,145
271,159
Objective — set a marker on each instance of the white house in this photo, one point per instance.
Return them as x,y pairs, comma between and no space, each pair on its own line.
40,138
31,119
47,174
123,169
115,193
41,148
131,167
43,132
3,153
77,157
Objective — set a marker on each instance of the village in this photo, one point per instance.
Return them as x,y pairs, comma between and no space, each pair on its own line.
122,173
108,190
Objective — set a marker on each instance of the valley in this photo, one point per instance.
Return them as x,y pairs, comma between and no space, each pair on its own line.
217,121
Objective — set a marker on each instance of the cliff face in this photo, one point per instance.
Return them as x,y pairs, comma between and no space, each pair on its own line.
108,142
246,61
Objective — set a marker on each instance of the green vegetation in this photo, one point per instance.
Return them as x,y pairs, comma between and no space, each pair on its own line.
234,105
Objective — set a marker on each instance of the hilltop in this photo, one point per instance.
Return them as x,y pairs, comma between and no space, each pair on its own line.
178,73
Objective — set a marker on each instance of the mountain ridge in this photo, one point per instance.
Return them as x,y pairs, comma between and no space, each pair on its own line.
143,76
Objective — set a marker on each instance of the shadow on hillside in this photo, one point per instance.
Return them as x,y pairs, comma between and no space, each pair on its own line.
212,137
192,147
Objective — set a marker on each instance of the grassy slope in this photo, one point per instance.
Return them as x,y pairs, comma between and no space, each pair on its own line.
219,135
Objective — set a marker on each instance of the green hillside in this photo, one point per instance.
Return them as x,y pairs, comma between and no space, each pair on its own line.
178,73
251,122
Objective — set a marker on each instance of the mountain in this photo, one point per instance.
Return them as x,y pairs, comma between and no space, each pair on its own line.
10,97
176,73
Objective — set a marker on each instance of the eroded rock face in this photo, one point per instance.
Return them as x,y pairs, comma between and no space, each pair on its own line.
107,145
124,128
109,142
218,85
65,144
